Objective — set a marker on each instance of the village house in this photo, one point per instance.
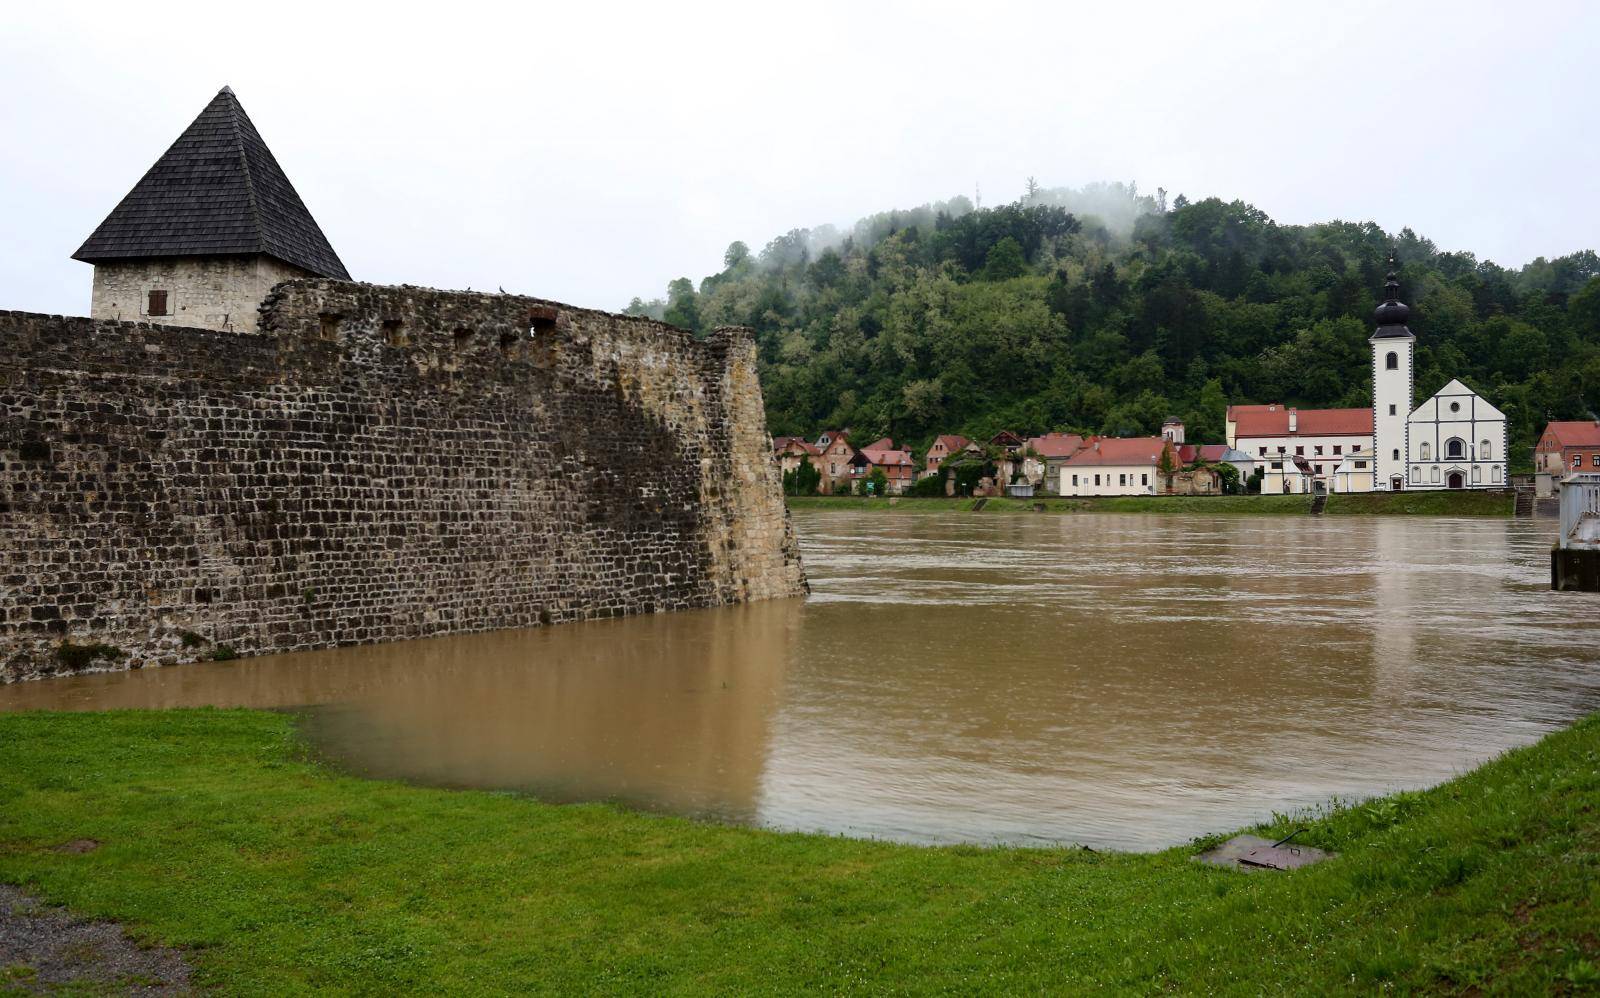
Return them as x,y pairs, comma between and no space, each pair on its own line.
791,452
1007,447
841,463
1114,466
944,446
1275,434
1204,478
1567,447
1453,440
1043,456
895,462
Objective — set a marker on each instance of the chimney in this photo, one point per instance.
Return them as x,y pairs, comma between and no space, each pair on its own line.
1294,421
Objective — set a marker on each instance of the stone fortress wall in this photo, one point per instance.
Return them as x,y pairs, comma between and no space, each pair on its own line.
377,463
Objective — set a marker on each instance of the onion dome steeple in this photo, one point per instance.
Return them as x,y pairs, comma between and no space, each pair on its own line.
1391,316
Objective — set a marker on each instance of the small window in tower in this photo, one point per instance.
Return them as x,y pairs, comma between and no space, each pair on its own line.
1397,454
1392,362
1391,410
1455,406
328,327
158,303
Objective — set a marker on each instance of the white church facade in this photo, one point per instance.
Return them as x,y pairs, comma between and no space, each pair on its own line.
1453,440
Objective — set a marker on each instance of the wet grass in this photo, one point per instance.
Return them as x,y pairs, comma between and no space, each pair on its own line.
1464,503
220,835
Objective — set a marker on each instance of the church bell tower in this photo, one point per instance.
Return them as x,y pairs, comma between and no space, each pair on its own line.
1392,348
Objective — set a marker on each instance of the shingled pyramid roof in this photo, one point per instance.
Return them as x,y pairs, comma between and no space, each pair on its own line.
217,191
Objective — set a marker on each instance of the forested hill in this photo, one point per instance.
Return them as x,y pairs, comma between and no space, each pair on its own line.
1105,311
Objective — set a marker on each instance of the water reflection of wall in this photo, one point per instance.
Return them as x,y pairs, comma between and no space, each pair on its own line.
669,711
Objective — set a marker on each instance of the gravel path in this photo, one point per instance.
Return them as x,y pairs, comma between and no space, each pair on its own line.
43,948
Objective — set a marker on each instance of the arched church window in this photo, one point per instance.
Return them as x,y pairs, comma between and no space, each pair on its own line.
1397,453
1392,362
1427,451
1484,452
1477,474
1435,474
1455,447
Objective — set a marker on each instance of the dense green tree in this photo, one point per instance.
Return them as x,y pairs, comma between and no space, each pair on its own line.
1004,261
682,307
1098,311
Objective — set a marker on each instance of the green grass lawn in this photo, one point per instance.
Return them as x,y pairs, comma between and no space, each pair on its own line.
220,835
1464,503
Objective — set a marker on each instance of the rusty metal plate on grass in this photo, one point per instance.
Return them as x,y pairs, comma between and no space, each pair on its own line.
1253,853
1286,857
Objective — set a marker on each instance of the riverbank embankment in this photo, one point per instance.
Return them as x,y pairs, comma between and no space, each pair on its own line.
218,833
1462,503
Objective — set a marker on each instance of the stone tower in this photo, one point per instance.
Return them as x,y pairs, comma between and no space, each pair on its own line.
1392,347
207,231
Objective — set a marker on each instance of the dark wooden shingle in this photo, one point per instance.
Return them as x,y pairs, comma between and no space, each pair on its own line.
217,191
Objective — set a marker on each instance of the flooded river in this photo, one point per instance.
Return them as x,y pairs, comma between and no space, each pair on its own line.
1117,681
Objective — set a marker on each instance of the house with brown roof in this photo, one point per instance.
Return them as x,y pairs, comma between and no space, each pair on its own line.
944,446
894,462
1043,456
841,463
1114,466
1326,438
1568,446
1007,441
791,452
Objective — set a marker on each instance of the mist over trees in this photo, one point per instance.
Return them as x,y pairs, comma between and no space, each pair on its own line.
1104,310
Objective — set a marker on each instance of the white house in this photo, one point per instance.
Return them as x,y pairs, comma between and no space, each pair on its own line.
1275,435
1114,466
1454,440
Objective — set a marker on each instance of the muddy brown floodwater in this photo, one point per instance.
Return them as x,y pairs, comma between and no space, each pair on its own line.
1116,681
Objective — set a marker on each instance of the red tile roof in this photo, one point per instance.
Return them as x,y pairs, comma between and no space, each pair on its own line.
1119,451
1574,433
885,456
1273,421
1056,444
883,443
782,444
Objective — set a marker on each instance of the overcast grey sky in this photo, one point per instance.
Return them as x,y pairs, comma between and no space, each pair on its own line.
589,152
